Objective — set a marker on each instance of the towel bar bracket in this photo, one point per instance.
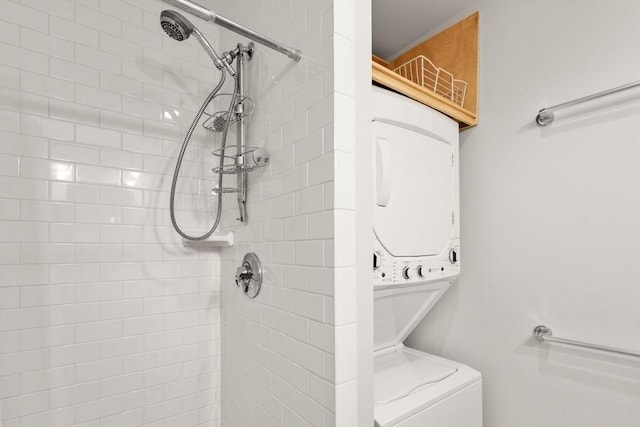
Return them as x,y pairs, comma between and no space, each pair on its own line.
544,333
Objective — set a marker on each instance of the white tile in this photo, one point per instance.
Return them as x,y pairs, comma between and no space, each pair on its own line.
52,46
53,7
98,98
23,231
125,12
89,371
309,200
309,357
24,404
98,21
24,361
38,104
56,418
47,379
23,318
72,394
72,31
100,291
32,210
310,252
46,253
9,121
120,122
9,297
96,136
309,409
73,192
295,277
323,392
120,84
25,145
64,110
310,305
49,128
46,295
73,313
98,175
46,169
72,232
73,273
121,47
141,108
99,214
9,252
23,59
73,72
31,339
9,77
73,152
26,16
121,271
121,309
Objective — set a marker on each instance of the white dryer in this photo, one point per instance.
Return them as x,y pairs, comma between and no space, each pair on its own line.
416,257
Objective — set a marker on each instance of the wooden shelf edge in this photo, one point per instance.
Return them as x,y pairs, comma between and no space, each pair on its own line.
388,78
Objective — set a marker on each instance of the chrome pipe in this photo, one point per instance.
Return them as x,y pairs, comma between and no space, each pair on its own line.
242,177
209,15
546,115
543,333
193,8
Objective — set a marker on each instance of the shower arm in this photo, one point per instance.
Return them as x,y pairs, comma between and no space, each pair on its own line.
209,15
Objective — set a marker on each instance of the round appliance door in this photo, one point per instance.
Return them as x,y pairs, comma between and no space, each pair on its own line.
415,182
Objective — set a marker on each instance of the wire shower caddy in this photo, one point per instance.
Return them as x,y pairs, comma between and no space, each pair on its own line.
241,158
423,72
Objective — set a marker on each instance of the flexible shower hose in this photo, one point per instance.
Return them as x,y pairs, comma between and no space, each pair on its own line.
183,150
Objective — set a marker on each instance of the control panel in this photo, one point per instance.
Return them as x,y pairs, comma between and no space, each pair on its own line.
390,270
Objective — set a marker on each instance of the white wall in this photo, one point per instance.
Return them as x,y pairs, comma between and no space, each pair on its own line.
550,228
279,364
105,319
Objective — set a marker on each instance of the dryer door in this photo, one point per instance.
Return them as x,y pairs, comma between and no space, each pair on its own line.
413,215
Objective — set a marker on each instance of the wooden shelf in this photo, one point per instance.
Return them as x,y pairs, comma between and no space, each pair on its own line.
455,49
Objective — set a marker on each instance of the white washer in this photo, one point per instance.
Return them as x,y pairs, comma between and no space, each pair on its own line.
416,258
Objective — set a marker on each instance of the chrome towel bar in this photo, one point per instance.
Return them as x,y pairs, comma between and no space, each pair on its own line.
543,333
545,116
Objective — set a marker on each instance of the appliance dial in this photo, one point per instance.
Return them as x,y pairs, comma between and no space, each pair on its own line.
419,271
406,273
377,260
453,256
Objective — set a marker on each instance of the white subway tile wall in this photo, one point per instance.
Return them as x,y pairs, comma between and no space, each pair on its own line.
105,318
280,362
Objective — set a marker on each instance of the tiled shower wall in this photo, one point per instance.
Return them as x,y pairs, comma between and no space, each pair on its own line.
105,318
287,356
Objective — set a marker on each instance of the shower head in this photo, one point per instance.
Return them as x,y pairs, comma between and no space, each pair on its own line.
175,25
180,28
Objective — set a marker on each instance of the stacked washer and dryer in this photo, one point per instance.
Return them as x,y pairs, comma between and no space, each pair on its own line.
416,258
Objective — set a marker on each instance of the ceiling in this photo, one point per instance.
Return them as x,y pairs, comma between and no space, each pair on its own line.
397,24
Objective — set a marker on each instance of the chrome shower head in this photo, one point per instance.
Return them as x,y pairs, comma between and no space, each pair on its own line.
180,28
175,25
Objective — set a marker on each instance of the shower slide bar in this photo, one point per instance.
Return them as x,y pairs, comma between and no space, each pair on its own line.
209,15
543,333
545,116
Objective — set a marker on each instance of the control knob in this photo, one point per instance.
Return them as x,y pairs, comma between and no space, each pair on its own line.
377,260
406,273
420,271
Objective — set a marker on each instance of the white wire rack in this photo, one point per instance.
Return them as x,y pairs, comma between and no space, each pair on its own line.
421,71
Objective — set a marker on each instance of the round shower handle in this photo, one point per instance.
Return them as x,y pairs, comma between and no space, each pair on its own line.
249,275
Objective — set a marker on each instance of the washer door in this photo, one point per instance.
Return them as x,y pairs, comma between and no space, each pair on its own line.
413,215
